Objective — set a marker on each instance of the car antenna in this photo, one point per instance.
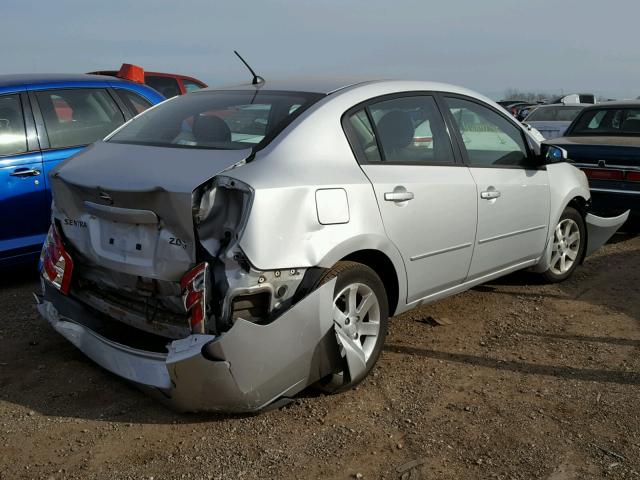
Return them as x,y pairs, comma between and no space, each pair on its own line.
257,79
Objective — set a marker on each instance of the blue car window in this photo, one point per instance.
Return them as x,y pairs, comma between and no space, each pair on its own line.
134,102
76,117
13,138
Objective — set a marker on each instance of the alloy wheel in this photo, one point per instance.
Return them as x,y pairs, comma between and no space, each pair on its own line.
356,317
566,245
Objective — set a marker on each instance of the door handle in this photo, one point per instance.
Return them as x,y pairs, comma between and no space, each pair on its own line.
398,196
25,172
489,194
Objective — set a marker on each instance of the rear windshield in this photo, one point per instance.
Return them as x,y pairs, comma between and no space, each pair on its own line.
218,120
554,114
607,121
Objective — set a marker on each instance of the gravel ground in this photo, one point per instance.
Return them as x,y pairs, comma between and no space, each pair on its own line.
520,381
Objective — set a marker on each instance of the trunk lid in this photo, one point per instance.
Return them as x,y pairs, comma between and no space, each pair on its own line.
129,207
622,151
610,163
550,129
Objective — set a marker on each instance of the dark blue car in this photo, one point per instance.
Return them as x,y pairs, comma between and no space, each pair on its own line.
45,119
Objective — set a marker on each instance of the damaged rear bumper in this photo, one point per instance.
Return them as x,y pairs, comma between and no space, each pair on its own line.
245,369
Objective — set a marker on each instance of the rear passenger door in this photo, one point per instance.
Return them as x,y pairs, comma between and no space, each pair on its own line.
513,189
69,119
427,197
24,212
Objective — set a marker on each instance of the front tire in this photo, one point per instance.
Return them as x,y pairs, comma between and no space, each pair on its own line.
569,241
361,311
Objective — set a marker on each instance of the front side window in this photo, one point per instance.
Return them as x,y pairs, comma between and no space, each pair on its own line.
190,86
13,138
75,117
223,120
607,121
167,86
490,140
134,102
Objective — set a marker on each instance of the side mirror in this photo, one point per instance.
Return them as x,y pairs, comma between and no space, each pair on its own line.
553,154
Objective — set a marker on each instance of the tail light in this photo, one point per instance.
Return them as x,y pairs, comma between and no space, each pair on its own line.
194,286
604,174
422,141
633,176
56,265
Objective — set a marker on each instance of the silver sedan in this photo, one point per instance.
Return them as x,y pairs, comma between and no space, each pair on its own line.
227,249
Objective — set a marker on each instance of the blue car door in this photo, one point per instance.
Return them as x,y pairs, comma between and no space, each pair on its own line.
24,212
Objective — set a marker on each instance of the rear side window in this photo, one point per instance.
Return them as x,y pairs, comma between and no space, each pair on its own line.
406,130
490,140
134,102
167,86
76,117
364,137
411,130
13,138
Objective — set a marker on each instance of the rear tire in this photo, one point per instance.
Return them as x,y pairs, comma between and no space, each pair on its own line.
369,329
568,244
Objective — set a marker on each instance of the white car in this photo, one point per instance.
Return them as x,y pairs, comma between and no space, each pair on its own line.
228,248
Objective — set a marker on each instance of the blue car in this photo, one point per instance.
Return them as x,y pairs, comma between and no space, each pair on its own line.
45,119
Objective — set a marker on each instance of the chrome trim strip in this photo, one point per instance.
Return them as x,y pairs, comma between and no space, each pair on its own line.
611,190
606,166
438,252
511,234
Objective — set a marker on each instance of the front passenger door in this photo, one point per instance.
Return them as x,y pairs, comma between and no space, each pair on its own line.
426,198
513,190
24,212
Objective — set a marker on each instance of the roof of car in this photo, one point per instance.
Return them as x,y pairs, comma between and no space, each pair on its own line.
310,85
10,80
617,103
564,105
327,86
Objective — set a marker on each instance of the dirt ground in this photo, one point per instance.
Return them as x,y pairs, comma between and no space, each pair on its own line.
528,381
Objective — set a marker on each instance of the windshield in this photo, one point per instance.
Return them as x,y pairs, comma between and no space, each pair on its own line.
554,114
607,121
219,120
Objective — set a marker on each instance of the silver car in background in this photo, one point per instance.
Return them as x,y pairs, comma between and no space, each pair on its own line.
229,248
554,119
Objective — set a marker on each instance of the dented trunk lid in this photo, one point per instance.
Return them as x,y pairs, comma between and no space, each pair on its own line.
129,207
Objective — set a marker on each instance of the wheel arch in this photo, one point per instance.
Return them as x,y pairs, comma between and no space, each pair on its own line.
384,268
575,199
580,204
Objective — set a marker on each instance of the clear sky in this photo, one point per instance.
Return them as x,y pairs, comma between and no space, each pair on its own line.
485,45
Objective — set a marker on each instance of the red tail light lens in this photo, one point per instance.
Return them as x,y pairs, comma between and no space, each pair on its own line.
194,286
633,176
56,263
604,174
422,141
